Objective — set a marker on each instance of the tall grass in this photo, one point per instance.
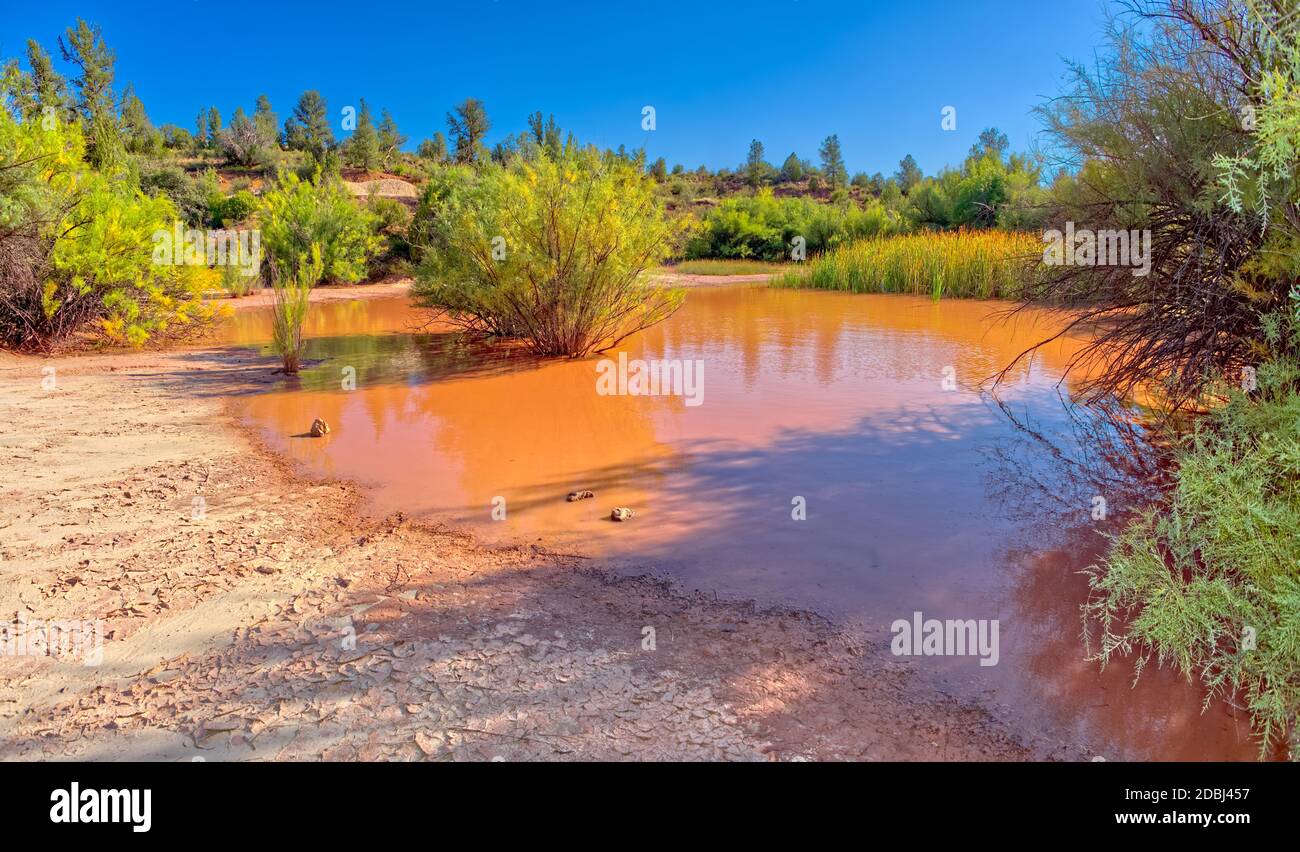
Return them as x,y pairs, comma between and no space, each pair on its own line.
292,299
962,264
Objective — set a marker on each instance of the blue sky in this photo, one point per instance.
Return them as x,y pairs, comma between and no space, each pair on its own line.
718,73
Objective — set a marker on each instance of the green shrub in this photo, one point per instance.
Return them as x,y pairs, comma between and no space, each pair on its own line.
77,247
762,227
236,208
549,251
192,196
297,214
443,197
390,214
1209,580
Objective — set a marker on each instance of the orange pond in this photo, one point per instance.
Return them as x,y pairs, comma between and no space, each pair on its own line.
920,494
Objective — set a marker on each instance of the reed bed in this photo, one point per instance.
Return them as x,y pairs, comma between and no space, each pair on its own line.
959,264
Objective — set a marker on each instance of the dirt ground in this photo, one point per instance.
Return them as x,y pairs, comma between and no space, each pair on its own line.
248,614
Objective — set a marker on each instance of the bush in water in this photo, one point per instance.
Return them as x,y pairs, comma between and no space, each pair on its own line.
548,250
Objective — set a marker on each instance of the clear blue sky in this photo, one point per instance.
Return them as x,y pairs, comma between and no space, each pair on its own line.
718,72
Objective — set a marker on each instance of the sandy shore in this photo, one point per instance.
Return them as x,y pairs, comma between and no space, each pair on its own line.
400,287
249,614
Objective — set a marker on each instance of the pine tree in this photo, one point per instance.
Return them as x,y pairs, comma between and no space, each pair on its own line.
908,175
467,126
266,122
434,148
138,133
49,89
362,147
391,139
755,168
833,161
85,48
309,128
545,134
214,127
792,168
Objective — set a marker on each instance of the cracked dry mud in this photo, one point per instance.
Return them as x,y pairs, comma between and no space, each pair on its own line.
284,624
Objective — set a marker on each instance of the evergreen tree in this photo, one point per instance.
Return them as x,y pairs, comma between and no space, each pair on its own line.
755,168
792,168
138,133
833,161
467,126
266,122
908,174
990,141
545,134
391,139
84,47
214,127
434,149
362,148
49,89
309,127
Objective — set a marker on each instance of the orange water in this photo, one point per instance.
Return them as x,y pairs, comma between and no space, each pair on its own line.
920,495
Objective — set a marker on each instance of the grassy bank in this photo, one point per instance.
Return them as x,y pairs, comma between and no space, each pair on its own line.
964,264
727,267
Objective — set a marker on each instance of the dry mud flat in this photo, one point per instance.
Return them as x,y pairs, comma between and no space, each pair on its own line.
251,615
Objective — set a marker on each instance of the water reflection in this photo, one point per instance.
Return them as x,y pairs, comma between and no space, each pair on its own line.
920,496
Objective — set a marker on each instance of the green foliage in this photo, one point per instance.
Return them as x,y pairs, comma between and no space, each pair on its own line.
138,133
194,198
391,140
433,149
243,143
757,171
792,169
443,198
1191,581
83,46
549,251
77,247
297,215
985,192
267,123
214,127
763,226
234,281
309,128
236,208
545,134
467,126
833,161
908,175
43,91
361,150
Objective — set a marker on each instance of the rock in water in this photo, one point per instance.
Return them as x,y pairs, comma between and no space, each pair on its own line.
574,496
620,514
319,428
